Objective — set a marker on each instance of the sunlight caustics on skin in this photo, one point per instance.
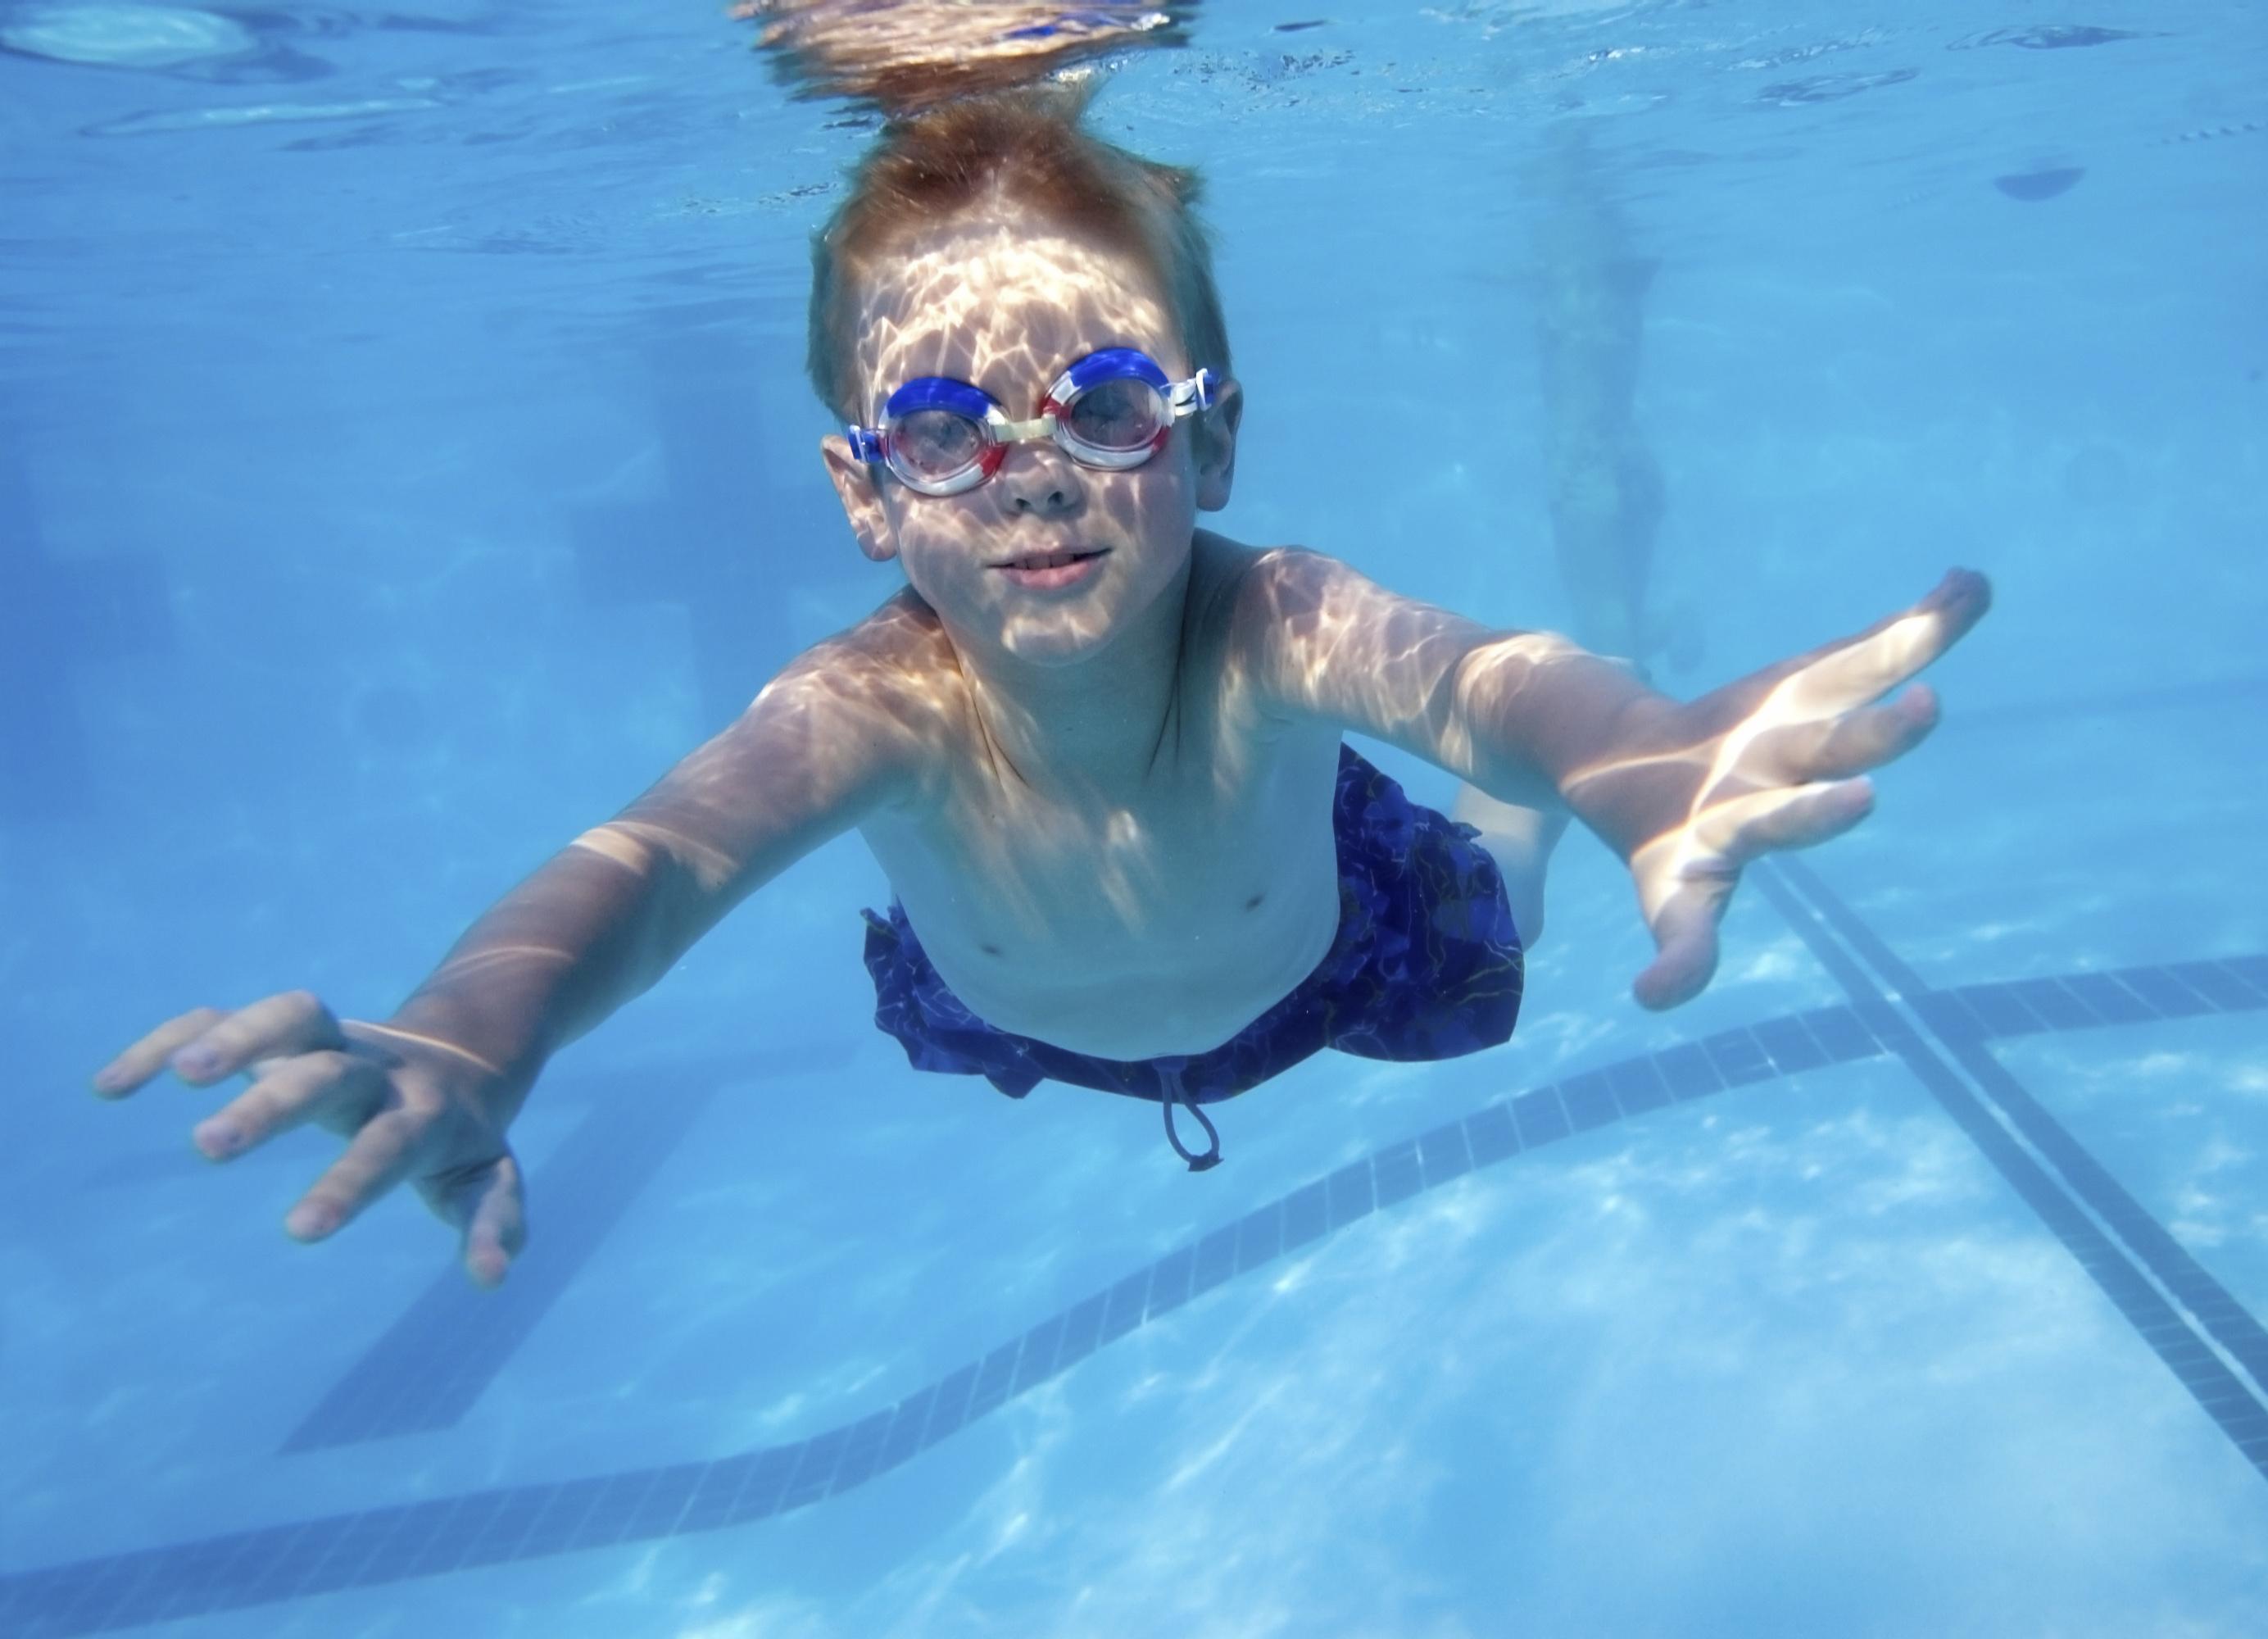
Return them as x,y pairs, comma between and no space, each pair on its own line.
393,1033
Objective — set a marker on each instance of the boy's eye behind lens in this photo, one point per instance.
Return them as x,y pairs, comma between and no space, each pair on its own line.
938,440
1114,415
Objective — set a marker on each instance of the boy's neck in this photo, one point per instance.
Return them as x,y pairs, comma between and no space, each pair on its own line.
1100,721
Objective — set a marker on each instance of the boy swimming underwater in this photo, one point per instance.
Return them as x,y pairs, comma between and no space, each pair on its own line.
1097,750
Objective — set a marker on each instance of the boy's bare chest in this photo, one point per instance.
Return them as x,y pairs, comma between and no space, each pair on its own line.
1128,919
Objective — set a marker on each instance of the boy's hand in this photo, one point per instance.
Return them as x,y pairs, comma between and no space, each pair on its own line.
1776,760
413,1111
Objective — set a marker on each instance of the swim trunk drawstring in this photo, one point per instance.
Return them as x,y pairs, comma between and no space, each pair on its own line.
1171,1094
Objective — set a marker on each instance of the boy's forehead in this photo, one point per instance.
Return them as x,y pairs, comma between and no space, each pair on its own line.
987,296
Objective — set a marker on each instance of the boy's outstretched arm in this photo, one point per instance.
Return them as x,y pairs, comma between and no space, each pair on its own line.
1686,794
427,1094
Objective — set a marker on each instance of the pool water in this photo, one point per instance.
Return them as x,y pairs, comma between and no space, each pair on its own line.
405,455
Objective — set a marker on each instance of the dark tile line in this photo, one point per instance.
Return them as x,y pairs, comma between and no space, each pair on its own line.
426,1370
2223,1396
430,1538
2183,990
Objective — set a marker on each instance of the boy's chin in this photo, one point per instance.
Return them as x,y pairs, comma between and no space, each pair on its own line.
1060,637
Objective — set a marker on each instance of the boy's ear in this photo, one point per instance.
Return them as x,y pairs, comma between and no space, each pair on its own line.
1216,447
861,494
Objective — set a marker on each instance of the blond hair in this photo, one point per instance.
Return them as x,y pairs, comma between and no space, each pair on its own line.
1029,147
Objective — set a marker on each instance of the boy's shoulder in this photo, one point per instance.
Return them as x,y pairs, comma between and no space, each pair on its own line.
886,680
902,640
1274,604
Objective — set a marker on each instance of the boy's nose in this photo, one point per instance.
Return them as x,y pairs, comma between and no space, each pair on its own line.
1040,480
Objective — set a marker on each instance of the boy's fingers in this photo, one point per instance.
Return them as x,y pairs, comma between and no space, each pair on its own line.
1833,679
145,1058
294,1022
1742,829
1806,753
300,1090
1685,932
373,1164
1960,600
491,1208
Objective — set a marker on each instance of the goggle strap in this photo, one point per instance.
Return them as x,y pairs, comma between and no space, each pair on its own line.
866,443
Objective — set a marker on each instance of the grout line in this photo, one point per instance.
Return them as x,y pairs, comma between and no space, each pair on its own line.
2175,1268
397,1542
2223,1395
427,1370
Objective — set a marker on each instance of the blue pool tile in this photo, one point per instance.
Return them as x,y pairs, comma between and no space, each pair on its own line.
1259,1236
1687,1072
2163,990
813,1472
567,1522
994,1373
100,1599
1842,1035
1035,1363
611,1510
497,1534
1307,1214
2217,984
2107,1000
1588,1102
1441,1155
765,1482
950,1410
1788,1045
657,1509
862,1450
169,1586
1395,1169
1123,1309
909,1428
1737,1057
1082,1332
430,1534
2057,1007
1351,1193
1637,1085
1169,1281
1491,1135
2252,970
1942,1011
1216,1260
1539,1117
329,1575
2000,1010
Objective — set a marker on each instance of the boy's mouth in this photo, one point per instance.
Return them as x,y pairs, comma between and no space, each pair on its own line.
1047,572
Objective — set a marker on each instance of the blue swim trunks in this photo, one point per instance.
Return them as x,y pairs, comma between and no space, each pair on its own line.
1426,965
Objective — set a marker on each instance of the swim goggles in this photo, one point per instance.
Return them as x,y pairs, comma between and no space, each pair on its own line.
1112,410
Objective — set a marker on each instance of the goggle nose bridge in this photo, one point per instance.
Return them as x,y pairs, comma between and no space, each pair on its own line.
876,445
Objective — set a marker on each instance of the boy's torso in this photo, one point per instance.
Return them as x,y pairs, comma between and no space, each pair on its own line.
1155,913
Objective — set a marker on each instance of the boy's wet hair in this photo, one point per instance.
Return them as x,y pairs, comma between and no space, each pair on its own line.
1028,148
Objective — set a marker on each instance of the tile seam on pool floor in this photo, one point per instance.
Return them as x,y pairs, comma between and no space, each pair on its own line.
2233,1328
402,1540
2236,1407
603,1164
426,1370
